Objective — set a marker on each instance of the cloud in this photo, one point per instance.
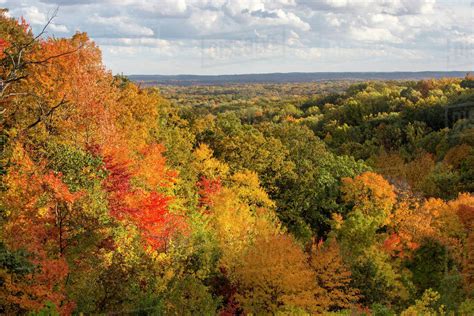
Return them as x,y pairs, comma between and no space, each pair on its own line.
68,2
59,28
368,34
410,7
308,53
170,8
324,34
142,41
34,16
119,25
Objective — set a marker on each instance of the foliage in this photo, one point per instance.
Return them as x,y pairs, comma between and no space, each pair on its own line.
121,198
426,305
274,273
333,275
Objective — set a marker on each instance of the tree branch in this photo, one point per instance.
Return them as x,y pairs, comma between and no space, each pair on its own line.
43,116
54,56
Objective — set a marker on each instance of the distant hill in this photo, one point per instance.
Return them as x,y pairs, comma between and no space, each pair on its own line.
290,77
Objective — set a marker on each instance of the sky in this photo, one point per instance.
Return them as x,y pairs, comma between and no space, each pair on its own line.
264,36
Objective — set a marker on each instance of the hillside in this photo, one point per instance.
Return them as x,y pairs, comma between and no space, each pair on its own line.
291,77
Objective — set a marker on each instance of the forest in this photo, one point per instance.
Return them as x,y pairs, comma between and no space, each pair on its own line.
327,198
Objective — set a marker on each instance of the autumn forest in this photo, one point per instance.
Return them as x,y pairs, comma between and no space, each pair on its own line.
323,198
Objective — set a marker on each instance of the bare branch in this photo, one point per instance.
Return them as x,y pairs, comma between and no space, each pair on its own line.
43,30
54,56
49,113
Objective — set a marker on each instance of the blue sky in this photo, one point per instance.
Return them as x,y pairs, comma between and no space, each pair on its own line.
260,36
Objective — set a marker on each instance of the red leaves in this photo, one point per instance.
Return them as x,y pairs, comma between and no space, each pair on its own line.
151,169
393,244
3,45
24,24
400,247
154,221
118,185
147,210
207,189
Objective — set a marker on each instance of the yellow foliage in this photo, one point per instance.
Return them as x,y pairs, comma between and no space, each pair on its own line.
207,165
333,275
425,305
371,194
248,189
273,274
137,114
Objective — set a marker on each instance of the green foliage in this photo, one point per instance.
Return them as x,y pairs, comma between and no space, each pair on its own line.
188,296
381,310
451,290
16,262
80,169
48,310
427,305
309,197
377,280
467,307
429,264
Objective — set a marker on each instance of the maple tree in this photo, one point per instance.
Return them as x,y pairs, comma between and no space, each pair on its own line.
148,210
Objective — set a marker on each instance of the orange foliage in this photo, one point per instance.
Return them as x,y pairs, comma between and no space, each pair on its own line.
3,45
151,168
468,263
464,208
66,78
369,191
145,207
333,275
38,205
413,221
457,154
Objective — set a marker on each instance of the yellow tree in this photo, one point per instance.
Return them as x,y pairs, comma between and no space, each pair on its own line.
371,199
333,275
464,208
274,274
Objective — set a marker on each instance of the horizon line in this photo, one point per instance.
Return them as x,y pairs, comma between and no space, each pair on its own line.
303,72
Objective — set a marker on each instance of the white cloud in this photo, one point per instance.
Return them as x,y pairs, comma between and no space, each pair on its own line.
34,16
308,53
402,7
142,41
120,50
204,21
333,19
120,25
370,34
336,3
159,8
291,19
58,28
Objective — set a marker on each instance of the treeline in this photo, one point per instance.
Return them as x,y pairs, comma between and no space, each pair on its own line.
117,200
